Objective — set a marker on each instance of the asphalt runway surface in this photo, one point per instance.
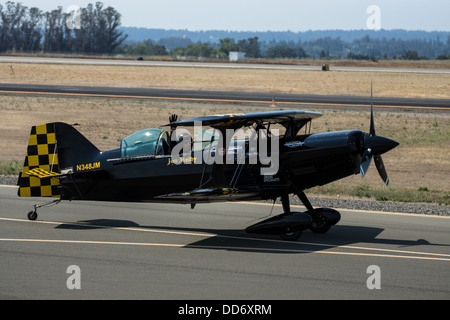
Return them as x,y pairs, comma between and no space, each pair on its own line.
219,96
168,251
202,64
223,96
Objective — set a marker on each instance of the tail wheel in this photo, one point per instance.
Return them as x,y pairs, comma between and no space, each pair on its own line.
32,215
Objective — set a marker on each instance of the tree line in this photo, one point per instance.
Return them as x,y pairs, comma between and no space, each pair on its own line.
99,31
24,29
365,48
195,50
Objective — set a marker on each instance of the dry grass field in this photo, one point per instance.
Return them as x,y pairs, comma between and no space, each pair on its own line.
407,85
418,169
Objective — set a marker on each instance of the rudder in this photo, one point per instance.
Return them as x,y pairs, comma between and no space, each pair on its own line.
42,156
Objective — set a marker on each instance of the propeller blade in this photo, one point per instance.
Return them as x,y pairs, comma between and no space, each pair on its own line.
375,145
365,162
381,169
372,122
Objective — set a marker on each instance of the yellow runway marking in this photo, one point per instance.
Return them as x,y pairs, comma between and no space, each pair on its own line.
95,242
399,254
198,234
224,248
328,252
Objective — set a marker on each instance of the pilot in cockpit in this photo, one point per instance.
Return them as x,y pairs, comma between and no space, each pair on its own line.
185,139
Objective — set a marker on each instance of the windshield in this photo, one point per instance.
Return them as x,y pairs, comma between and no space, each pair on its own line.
140,143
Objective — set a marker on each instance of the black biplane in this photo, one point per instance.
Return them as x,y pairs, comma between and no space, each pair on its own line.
151,165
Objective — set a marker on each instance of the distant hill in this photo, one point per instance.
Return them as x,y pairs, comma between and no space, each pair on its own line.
213,36
328,44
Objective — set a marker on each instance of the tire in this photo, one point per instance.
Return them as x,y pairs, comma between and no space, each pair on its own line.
291,234
32,215
320,225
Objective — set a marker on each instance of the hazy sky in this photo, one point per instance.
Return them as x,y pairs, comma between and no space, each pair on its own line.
276,15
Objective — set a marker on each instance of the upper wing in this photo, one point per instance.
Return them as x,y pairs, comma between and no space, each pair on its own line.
237,120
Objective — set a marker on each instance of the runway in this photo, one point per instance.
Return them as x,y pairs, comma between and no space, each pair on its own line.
224,96
220,65
164,251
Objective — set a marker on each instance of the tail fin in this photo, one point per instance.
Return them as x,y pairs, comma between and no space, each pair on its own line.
41,154
52,147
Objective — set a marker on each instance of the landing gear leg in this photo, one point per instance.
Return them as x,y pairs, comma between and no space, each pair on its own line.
285,203
302,196
32,215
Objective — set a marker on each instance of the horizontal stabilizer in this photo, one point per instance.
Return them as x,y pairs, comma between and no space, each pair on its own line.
41,173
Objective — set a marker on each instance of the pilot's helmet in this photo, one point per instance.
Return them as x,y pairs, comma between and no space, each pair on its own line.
184,136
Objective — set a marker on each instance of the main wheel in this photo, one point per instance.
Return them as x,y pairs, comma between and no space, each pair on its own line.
32,215
320,224
291,234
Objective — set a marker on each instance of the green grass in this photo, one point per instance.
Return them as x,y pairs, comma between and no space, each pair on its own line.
10,167
382,193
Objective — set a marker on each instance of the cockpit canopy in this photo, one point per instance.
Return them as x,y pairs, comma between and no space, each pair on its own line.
144,143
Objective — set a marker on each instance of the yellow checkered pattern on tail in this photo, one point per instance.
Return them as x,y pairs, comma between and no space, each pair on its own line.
40,173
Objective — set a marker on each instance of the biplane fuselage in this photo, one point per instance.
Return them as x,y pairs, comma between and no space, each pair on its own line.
314,162
148,166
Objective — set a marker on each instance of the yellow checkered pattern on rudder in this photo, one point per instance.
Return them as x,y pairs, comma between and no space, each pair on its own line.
41,154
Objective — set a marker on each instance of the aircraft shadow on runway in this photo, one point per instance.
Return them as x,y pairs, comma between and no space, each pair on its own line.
239,240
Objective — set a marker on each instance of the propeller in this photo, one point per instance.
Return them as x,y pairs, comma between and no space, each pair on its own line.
374,146
366,159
